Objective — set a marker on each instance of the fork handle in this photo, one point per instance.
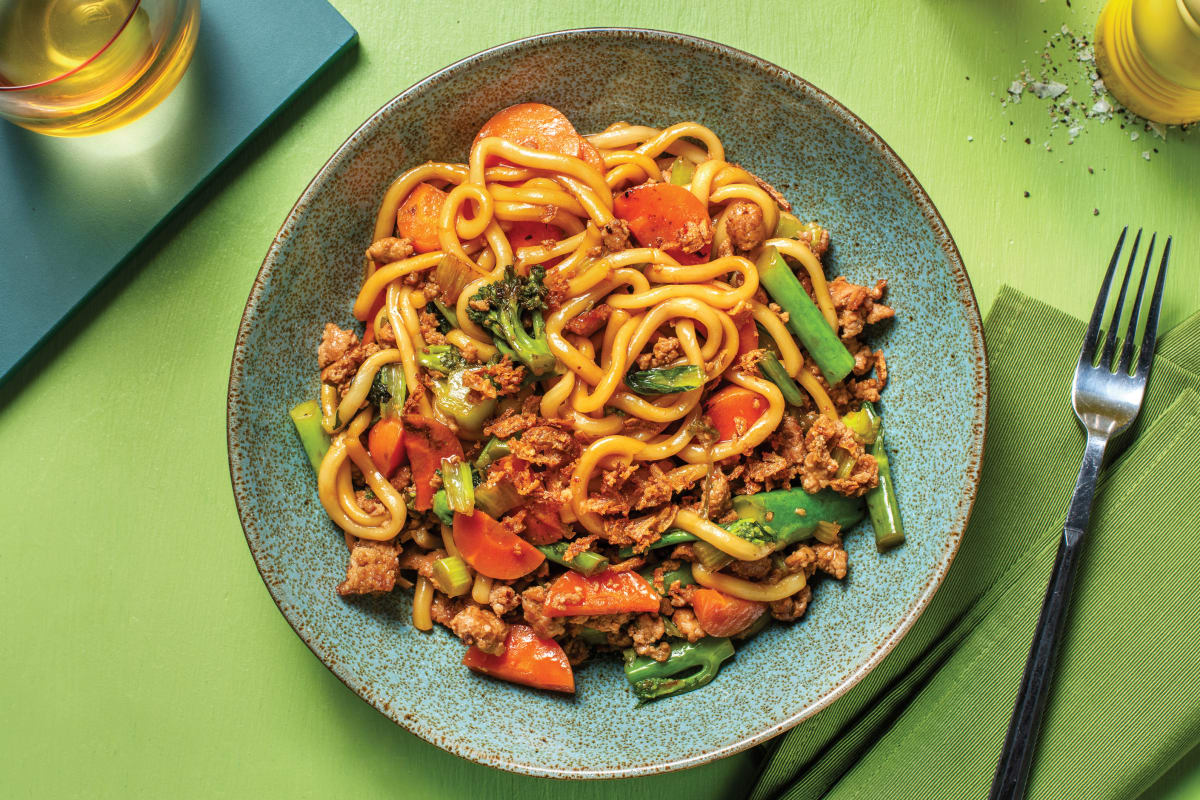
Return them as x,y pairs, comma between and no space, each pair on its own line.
1020,742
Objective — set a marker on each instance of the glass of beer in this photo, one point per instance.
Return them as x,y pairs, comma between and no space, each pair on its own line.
78,67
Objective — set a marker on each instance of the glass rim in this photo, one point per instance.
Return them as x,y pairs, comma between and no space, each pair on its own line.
124,23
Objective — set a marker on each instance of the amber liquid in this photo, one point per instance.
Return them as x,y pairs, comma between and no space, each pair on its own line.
91,65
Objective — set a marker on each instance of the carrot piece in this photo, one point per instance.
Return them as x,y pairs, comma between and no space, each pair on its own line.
527,233
543,525
747,335
591,155
419,217
666,216
386,443
528,659
427,442
608,592
734,409
723,615
539,127
491,549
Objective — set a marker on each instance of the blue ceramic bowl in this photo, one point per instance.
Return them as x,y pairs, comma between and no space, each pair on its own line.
836,170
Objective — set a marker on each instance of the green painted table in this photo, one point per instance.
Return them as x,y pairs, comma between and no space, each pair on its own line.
141,654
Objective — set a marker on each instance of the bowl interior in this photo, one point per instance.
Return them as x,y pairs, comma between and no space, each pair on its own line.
833,169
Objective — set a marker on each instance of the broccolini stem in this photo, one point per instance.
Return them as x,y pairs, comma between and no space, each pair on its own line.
773,371
587,562
668,539
307,419
882,503
804,318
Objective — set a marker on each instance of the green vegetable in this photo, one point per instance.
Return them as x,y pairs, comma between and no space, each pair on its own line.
451,396
777,512
751,530
591,635
587,562
442,358
307,419
665,380
882,501
668,539
447,312
861,423
788,226
508,301
804,318
451,576
711,557
441,508
494,450
459,485
773,371
682,574
681,172
690,666
498,500
388,390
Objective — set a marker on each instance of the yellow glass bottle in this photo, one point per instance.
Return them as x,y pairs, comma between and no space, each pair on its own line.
1148,53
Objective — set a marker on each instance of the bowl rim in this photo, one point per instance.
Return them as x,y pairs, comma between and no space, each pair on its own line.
980,367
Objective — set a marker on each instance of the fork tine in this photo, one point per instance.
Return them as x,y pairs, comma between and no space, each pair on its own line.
1114,326
1147,353
1088,354
1127,348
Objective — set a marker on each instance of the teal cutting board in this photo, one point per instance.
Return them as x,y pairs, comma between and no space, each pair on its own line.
73,210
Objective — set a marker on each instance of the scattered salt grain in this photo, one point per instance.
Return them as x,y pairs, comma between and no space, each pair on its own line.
1133,136
1158,130
1146,154
970,138
1048,91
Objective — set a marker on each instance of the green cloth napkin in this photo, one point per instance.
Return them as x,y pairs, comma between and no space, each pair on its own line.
930,719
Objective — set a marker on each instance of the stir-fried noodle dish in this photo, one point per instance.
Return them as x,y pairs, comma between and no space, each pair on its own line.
603,399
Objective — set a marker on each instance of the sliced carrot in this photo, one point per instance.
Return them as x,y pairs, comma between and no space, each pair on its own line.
734,409
427,442
491,549
386,443
607,592
664,215
527,233
528,659
539,127
591,155
543,525
419,217
723,615
747,334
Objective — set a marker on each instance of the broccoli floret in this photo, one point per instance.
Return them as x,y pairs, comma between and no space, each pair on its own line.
508,300
443,358
751,531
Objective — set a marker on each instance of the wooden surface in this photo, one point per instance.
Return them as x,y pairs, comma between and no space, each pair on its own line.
142,655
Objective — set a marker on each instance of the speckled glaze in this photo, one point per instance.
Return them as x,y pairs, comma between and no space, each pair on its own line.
836,170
